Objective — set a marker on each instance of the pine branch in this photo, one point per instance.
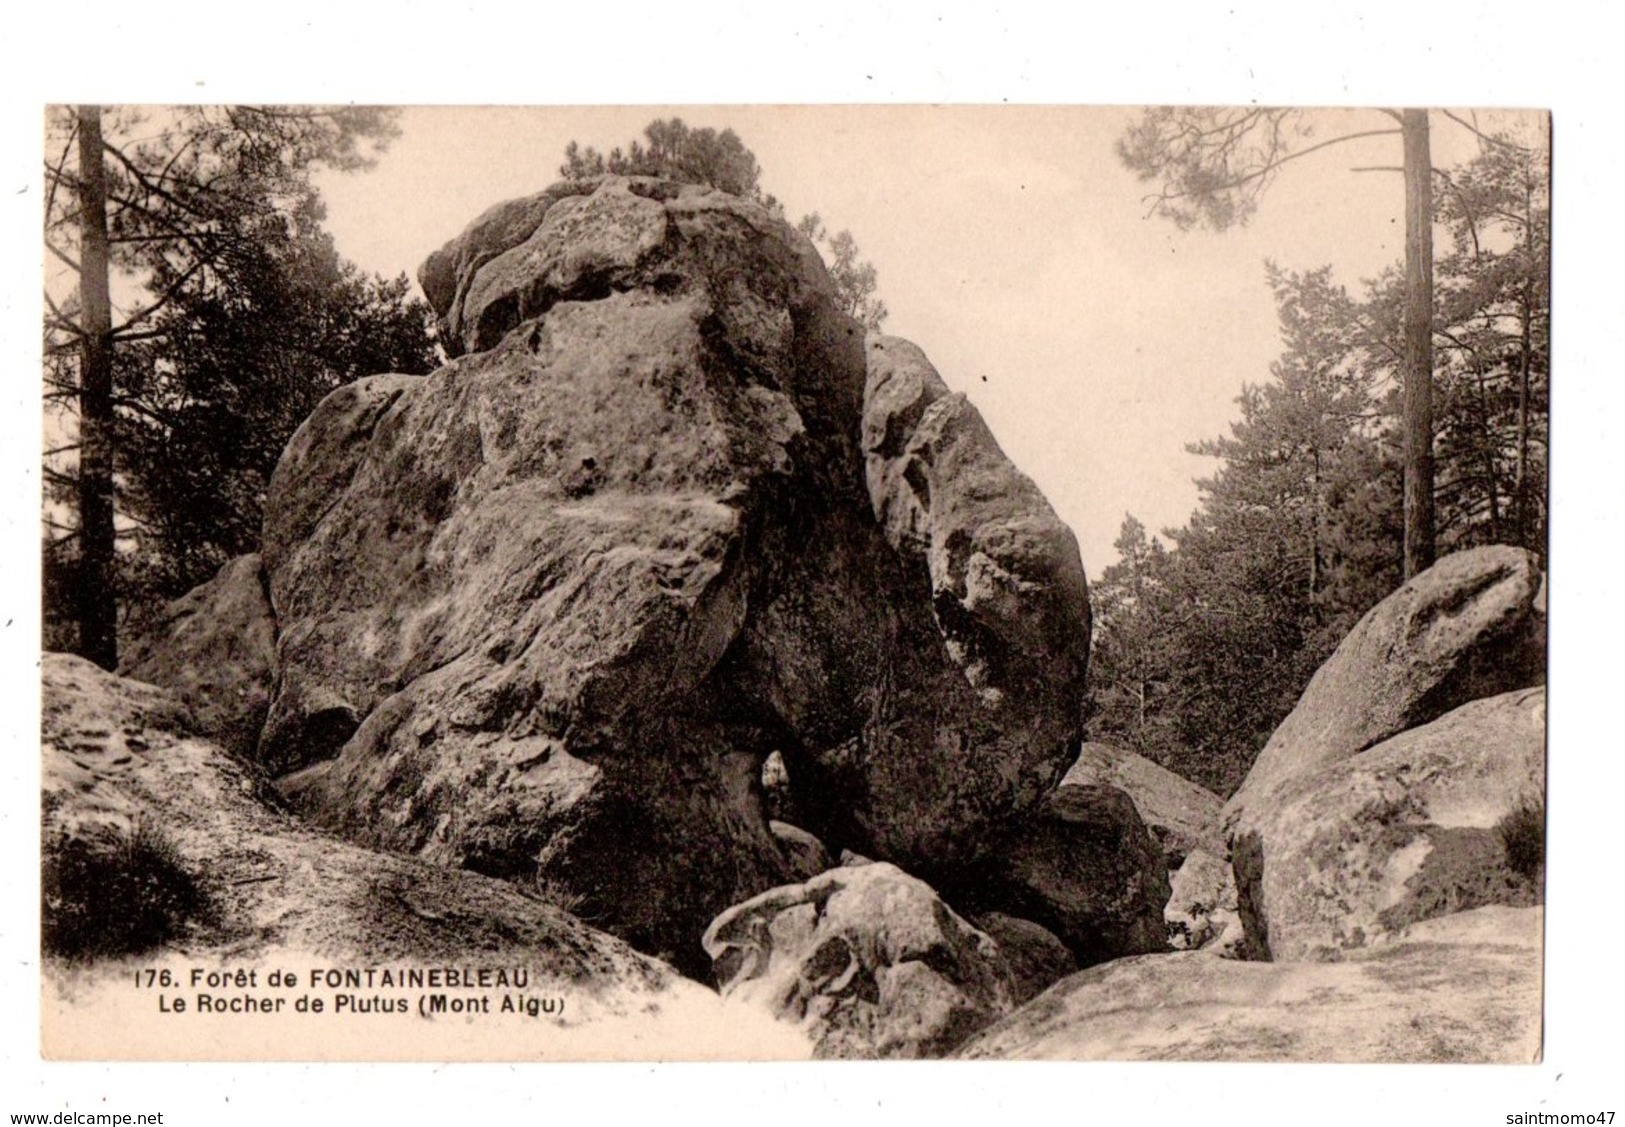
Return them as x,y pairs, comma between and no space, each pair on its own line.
164,300
63,255
55,174
1486,137
1271,166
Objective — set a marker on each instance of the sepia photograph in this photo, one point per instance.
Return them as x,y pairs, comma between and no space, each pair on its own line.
634,591
661,563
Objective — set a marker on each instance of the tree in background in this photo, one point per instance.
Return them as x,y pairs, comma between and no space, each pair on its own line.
676,151
1492,326
1131,661
855,280
1214,164
1299,531
1293,539
191,236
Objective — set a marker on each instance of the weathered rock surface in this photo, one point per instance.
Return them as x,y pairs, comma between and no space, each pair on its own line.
215,647
1034,956
805,854
550,608
1085,867
448,273
1466,628
867,960
1463,988
118,760
1181,815
1406,830
1201,910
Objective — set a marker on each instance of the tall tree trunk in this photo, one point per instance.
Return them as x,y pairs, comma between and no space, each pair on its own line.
1526,316
97,606
1418,350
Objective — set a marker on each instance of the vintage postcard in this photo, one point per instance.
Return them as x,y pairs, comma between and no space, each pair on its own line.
794,582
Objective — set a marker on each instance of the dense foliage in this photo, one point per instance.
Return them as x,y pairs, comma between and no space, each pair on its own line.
233,315
1204,644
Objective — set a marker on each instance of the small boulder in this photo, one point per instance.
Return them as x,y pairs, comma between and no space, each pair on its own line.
868,961
1201,910
804,853
1085,867
1421,825
1181,815
1034,956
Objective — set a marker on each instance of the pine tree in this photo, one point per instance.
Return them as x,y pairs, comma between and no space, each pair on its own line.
157,219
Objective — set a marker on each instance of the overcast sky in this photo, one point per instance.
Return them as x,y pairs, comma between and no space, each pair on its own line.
1011,245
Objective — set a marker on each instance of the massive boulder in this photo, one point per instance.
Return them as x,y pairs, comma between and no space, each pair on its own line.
548,610
216,648
867,960
1466,988
1433,821
1181,815
1466,628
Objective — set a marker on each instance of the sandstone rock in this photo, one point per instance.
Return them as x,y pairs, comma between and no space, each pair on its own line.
1463,988
125,784
868,961
1181,815
806,855
1034,956
1466,628
1407,830
215,647
1201,910
549,609
1085,867
118,762
447,273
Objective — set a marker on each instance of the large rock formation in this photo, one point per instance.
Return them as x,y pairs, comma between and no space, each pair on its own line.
550,608
1421,825
159,845
1466,628
1180,815
1461,989
867,960
215,647
124,777
1470,627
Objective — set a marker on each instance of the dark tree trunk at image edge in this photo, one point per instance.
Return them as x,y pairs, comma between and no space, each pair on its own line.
97,608
1418,344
